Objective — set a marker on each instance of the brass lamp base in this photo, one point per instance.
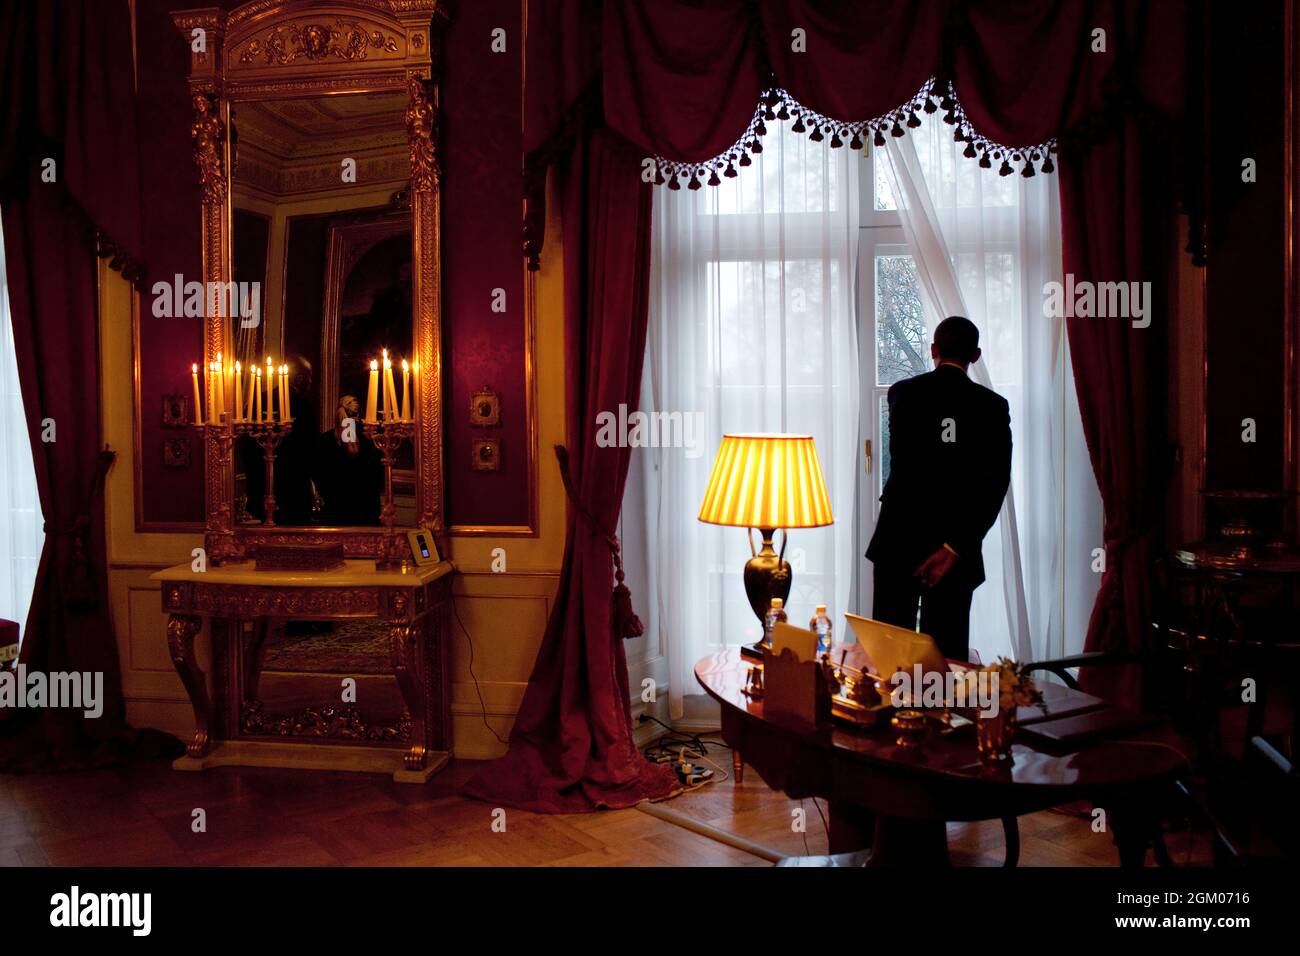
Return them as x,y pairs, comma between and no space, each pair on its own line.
767,576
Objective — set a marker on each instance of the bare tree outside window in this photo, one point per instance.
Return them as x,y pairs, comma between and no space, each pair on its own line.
901,347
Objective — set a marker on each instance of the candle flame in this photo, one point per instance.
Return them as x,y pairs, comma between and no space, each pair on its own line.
405,367
374,366
238,367
194,368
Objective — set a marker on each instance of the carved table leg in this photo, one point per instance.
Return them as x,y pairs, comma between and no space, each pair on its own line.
738,766
181,631
406,641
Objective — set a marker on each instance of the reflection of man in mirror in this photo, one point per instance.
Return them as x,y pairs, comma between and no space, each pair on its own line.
347,470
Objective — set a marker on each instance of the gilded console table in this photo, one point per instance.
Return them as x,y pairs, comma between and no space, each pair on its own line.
412,603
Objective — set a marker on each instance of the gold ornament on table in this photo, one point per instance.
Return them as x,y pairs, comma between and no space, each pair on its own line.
1015,688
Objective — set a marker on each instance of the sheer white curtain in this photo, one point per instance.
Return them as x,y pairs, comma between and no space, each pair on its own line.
21,526
752,328
984,246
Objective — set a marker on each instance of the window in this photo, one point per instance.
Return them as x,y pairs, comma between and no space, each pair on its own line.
993,241
752,329
789,299
21,527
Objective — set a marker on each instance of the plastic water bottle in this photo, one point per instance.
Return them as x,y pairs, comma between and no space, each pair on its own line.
774,614
821,626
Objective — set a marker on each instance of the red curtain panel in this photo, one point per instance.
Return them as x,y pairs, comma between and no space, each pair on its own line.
66,69
1112,200
571,748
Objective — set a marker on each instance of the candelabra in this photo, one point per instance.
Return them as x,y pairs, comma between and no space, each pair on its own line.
388,437
268,435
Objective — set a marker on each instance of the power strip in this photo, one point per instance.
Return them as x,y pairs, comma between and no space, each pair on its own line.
688,773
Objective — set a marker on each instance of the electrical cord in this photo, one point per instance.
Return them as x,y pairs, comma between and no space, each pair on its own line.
482,705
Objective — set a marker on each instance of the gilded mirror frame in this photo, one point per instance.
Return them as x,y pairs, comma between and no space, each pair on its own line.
277,49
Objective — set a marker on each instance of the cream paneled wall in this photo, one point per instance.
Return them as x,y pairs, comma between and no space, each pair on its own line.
505,613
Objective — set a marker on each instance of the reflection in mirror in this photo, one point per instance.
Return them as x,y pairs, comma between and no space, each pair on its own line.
326,177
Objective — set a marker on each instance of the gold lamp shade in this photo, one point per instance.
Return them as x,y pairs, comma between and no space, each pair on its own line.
767,481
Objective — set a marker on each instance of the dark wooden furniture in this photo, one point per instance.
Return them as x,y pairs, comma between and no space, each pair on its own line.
1227,613
896,801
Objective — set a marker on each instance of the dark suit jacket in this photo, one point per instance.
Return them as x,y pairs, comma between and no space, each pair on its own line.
942,492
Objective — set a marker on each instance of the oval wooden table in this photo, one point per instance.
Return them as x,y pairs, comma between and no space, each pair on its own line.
896,801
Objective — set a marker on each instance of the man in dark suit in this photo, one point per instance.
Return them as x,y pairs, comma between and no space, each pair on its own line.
949,468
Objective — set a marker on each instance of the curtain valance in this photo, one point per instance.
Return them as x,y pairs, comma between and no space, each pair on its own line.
694,84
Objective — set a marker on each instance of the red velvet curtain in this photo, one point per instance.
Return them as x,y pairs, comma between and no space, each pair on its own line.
571,748
66,73
68,97
1114,203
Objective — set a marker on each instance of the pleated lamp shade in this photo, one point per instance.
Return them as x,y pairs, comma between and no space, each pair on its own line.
767,481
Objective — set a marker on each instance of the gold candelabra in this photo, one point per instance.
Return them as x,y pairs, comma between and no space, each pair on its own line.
268,435
388,437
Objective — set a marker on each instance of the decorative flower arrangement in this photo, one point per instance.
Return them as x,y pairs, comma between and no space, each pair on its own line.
1015,687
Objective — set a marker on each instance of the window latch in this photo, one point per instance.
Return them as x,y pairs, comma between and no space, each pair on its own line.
867,449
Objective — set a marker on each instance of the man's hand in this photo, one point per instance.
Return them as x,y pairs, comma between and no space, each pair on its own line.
933,568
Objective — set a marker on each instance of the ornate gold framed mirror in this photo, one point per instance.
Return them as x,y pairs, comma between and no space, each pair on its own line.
316,121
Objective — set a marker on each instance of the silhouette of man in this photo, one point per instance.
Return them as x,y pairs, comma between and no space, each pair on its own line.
949,467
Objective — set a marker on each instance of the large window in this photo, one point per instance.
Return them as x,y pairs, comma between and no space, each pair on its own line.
986,246
751,329
21,526
790,299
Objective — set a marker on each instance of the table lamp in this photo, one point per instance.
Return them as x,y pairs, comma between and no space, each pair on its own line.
766,482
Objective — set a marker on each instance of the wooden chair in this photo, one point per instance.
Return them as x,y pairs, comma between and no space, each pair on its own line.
1061,668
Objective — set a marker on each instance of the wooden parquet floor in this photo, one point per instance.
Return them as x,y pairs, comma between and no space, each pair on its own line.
142,815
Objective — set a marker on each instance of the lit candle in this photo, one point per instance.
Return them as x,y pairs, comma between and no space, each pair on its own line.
390,393
284,394
372,395
210,392
239,392
219,387
198,397
406,391
270,395
257,390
